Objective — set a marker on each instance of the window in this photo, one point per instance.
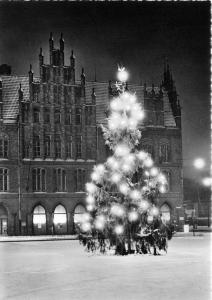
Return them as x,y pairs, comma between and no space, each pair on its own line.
66,75
66,95
60,180
39,216
56,92
164,153
78,116
58,146
165,213
36,115
57,117
46,116
38,180
68,117
4,147
35,91
36,146
60,217
79,147
4,180
159,118
25,112
47,146
167,175
80,180
69,149
78,213
26,146
89,115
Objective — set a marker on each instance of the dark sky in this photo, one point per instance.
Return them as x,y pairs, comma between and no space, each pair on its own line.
137,35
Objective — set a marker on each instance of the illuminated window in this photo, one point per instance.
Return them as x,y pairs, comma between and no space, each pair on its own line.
39,216
165,213
4,147
38,180
78,213
60,216
4,180
167,174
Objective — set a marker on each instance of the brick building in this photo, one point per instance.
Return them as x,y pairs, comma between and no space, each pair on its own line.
50,138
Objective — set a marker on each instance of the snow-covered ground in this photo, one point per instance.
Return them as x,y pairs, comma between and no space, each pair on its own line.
63,270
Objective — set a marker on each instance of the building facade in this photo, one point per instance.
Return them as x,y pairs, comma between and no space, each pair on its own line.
50,139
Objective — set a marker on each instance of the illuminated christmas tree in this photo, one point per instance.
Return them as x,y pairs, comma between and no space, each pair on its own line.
122,212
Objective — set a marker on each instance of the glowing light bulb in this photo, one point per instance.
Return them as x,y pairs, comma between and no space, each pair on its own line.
100,222
148,162
144,205
122,74
154,211
123,188
153,171
91,187
135,195
150,219
90,199
133,216
142,155
117,210
85,217
162,178
207,181
122,150
199,163
119,229
162,189
90,207
116,177
86,227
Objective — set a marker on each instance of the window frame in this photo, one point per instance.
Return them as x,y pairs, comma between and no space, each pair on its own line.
4,180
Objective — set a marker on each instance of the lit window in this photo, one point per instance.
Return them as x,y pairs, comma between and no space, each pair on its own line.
167,175
4,180
60,216
39,216
38,180
165,213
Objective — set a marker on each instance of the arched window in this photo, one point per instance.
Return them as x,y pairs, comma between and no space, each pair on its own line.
3,220
165,213
46,115
68,117
164,152
4,147
78,147
57,116
4,180
46,145
39,216
60,216
69,147
78,212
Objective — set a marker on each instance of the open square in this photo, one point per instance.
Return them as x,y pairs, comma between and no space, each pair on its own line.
63,270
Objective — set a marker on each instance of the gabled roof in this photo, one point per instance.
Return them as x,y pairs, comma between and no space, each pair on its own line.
11,85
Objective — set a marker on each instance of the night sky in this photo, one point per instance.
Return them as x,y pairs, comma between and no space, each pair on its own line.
137,35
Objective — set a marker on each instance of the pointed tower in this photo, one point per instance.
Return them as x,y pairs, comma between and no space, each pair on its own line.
51,47
41,62
30,74
72,64
61,50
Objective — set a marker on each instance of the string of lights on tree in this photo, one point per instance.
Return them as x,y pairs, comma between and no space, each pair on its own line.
122,195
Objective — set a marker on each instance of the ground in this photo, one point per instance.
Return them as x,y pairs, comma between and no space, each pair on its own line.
63,270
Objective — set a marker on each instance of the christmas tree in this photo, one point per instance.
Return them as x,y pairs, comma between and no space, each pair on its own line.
122,212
